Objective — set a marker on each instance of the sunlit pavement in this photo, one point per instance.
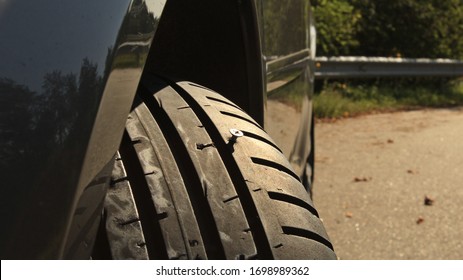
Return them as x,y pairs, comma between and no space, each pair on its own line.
373,174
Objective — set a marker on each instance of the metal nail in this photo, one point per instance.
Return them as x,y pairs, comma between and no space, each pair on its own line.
235,134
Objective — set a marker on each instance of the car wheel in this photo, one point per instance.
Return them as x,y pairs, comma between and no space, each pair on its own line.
197,178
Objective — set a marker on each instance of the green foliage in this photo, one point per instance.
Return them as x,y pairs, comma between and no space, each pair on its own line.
337,24
407,28
399,28
338,99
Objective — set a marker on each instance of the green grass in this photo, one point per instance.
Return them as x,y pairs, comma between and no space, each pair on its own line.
338,99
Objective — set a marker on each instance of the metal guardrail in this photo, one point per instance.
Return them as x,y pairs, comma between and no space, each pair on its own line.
369,67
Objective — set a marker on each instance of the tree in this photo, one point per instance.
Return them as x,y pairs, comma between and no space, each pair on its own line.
337,25
427,28
15,121
407,28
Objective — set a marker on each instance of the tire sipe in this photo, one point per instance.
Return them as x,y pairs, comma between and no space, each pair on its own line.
183,187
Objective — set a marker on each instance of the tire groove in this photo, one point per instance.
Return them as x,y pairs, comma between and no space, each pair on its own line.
260,138
275,165
224,102
307,234
185,223
293,200
142,198
241,118
249,208
201,208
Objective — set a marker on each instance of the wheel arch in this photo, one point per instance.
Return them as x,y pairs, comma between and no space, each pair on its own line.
215,44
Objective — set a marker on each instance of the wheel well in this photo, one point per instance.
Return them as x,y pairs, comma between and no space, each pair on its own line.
215,44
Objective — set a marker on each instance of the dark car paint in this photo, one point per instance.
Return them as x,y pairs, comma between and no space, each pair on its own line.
68,74
289,48
65,94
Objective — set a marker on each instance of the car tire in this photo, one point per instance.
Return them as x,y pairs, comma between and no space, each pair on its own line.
197,178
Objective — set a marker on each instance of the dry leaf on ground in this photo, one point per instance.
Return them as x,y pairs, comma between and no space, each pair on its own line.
362,179
428,201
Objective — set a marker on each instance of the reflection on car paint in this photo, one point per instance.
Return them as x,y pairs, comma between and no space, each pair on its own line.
286,45
63,62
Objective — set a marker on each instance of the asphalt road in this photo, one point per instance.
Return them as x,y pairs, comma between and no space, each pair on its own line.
372,176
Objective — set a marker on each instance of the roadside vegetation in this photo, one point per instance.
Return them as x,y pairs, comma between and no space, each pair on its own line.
388,28
345,99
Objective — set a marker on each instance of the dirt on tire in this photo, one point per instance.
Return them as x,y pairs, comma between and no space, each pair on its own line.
185,187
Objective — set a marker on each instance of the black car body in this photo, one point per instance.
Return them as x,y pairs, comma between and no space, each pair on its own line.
69,71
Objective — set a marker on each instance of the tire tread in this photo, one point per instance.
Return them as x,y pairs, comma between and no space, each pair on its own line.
210,197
